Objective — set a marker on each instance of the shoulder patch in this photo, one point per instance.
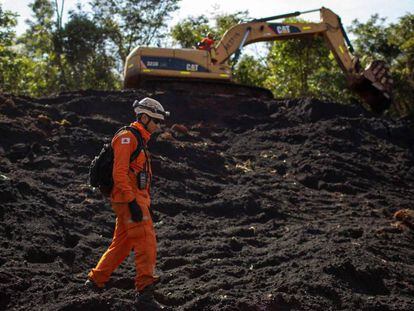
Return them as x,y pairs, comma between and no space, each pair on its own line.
125,140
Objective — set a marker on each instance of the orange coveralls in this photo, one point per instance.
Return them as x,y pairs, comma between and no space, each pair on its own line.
128,235
206,44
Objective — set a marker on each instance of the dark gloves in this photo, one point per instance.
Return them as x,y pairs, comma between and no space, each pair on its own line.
135,210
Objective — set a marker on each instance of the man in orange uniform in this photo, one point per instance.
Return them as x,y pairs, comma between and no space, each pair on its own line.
207,42
130,199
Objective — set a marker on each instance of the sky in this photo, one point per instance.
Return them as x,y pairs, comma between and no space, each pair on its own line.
348,10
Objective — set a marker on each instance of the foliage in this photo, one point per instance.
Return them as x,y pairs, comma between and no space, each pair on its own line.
130,23
192,29
38,44
402,35
7,23
372,38
395,44
7,34
224,22
305,67
13,66
51,56
251,71
89,65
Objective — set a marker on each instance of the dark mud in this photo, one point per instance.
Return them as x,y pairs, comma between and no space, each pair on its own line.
261,205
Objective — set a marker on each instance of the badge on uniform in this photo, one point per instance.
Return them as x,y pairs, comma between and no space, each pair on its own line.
125,140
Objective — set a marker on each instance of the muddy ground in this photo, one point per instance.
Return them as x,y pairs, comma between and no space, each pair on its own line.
261,205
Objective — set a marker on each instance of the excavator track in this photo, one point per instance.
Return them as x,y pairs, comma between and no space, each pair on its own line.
209,88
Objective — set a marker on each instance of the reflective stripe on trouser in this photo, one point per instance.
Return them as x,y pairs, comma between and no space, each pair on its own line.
127,236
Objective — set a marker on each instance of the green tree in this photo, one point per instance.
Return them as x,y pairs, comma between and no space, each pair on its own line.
130,23
393,43
305,67
7,36
14,66
224,21
89,65
67,56
372,40
192,29
7,24
251,71
39,44
402,35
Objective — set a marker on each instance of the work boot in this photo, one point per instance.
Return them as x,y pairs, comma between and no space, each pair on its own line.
92,285
144,300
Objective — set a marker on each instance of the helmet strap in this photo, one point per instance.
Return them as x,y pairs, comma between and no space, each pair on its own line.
139,119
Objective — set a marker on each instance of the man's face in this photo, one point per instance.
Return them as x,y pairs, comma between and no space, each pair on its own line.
153,124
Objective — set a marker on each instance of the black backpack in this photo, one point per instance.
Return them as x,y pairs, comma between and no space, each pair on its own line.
100,170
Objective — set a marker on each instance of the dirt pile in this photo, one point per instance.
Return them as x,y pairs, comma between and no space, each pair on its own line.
259,205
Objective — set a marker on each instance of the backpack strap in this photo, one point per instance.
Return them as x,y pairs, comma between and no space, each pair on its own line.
138,137
140,144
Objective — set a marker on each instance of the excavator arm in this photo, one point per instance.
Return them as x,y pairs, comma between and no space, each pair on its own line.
373,84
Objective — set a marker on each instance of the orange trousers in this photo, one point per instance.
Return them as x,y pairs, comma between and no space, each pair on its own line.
128,235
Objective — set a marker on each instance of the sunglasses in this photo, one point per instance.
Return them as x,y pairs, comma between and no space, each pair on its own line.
157,121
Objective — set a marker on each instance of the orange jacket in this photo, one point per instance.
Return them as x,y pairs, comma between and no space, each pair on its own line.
206,44
125,173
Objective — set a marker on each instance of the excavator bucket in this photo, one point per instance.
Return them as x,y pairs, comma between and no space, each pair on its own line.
374,86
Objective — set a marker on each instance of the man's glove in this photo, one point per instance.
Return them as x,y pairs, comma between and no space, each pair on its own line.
135,210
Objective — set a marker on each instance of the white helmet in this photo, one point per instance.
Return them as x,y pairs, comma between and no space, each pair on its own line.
151,107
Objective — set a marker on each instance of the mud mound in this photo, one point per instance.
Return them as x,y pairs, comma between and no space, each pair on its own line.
259,204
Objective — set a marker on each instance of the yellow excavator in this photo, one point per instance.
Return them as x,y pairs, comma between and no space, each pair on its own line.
148,67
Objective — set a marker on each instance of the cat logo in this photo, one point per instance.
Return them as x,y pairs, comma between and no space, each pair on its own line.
192,67
282,29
